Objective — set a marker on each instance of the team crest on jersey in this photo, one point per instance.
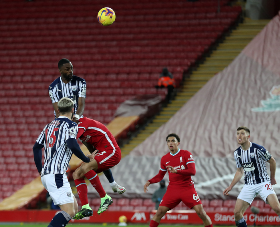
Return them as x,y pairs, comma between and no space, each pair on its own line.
73,131
74,88
252,155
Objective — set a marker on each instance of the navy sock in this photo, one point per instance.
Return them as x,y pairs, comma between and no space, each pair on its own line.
241,223
60,219
109,175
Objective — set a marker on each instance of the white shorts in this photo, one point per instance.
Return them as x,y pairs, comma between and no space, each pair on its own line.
249,192
59,188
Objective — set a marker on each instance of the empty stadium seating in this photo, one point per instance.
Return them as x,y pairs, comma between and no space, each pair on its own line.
118,62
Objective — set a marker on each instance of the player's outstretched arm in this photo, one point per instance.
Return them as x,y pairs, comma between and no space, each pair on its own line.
238,175
157,178
55,107
146,186
75,148
81,106
37,152
190,171
272,163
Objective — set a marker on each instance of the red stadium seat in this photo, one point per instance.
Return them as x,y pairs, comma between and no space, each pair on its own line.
114,208
6,188
209,209
17,187
216,203
136,202
123,202
24,167
5,180
148,202
27,180
10,160
7,194
205,202
221,209
229,203
126,208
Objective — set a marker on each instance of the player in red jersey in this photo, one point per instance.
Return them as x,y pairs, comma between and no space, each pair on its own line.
99,141
180,165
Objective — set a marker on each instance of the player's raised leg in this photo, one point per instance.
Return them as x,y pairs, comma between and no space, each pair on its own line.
274,203
203,216
115,187
87,170
239,210
158,216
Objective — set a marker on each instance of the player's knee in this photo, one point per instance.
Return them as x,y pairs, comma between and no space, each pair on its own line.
75,175
237,214
276,209
201,213
71,213
160,213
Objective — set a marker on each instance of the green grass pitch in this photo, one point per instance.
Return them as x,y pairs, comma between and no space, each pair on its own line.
91,225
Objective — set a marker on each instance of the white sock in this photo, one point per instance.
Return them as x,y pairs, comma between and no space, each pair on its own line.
113,184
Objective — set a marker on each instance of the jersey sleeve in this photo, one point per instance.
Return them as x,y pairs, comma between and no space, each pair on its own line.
157,178
41,137
189,158
263,153
162,165
83,88
238,164
53,94
81,130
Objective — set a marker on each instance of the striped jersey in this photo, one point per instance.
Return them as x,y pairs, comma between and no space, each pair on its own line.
178,161
253,161
74,89
56,153
96,134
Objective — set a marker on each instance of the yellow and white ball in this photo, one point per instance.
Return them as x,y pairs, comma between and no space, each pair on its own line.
122,220
106,16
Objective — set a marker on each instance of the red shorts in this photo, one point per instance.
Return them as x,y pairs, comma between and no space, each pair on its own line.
175,194
107,159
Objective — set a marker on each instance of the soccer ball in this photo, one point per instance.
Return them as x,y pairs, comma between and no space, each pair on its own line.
122,219
106,16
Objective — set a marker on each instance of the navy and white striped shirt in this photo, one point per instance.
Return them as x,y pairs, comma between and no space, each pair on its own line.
74,89
56,153
253,162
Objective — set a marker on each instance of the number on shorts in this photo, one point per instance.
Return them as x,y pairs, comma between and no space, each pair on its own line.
268,186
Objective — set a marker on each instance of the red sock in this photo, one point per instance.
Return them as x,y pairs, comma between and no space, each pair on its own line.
95,182
209,225
82,190
153,223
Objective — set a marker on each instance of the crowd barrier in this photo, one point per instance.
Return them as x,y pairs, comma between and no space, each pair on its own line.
172,217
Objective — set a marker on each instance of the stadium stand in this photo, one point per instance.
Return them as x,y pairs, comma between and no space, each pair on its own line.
118,63
244,93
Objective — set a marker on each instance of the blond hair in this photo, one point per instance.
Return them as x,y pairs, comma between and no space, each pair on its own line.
65,105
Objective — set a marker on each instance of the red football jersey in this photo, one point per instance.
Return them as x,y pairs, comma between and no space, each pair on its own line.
178,161
96,133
